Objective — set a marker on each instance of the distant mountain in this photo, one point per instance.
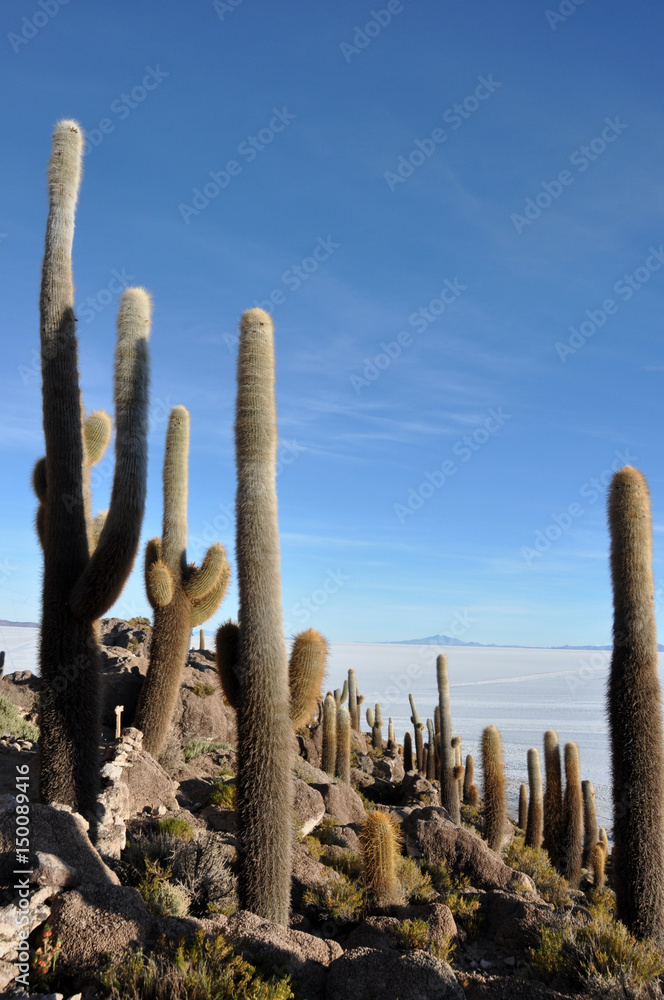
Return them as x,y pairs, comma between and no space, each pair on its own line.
19,624
448,640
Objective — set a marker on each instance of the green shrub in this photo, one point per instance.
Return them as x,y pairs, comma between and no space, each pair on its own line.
552,887
203,969
175,826
343,861
601,955
415,883
161,897
328,832
11,723
196,748
415,934
223,795
336,899
203,689
314,846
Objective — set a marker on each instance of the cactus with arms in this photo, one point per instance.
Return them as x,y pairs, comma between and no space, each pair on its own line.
182,595
86,561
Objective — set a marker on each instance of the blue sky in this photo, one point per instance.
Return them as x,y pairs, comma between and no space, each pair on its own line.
455,211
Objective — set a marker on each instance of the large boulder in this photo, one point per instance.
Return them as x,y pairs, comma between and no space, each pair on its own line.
341,801
367,973
307,874
382,932
147,783
431,836
308,806
284,951
512,921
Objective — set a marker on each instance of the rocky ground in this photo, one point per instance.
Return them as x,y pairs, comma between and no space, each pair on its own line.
178,814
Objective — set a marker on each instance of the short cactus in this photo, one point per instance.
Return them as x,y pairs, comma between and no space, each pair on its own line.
494,788
522,822
431,752
597,865
471,796
573,817
329,755
343,744
306,669
380,843
353,703
418,728
604,841
391,739
590,827
535,804
407,752
201,643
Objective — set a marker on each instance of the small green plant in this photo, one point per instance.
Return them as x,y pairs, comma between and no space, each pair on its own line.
162,898
203,689
552,887
314,846
133,645
327,832
196,748
223,795
336,899
600,955
343,861
11,723
175,826
416,883
139,623
415,934
202,969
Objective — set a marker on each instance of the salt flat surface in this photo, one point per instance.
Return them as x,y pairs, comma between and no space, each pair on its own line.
521,691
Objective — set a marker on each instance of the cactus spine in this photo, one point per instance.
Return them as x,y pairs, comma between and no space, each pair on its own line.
590,827
573,816
523,807
329,758
306,669
471,796
418,728
535,806
494,788
553,799
343,745
380,844
635,715
407,752
264,787
84,569
182,595
449,789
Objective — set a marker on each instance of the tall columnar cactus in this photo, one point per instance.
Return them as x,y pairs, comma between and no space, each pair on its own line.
635,715
431,752
458,765
471,796
380,846
573,817
86,561
449,789
353,704
391,739
264,785
2,662
418,728
553,799
535,805
182,595
597,865
306,669
523,807
343,745
377,729
494,788
407,752
436,731
590,826
201,637
329,756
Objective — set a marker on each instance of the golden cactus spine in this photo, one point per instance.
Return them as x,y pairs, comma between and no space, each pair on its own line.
535,805
182,596
494,788
306,669
264,787
449,788
380,843
635,714
86,562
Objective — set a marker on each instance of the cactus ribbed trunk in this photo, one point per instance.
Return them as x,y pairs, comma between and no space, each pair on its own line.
449,789
635,713
553,799
494,788
572,816
535,804
84,570
379,842
306,669
471,796
353,706
523,808
407,752
329,755
264,784
590,826
418,729
343,745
